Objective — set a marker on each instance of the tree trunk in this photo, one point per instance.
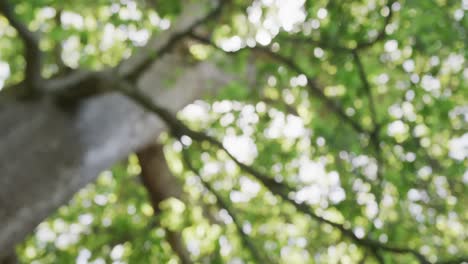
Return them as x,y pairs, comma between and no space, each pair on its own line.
47,154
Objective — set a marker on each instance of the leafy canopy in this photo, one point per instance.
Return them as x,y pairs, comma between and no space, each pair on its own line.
355,111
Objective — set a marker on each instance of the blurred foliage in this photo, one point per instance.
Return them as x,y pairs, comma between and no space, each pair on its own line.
418,79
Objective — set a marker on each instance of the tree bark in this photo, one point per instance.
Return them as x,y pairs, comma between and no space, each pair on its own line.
10,258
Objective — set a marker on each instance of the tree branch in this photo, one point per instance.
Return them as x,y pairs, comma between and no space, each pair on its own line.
98,132
178,129
222,204
382,34
367,88
333,46
57,51
375,133
130,69
189,21
312,83
32,54
161,185
456,260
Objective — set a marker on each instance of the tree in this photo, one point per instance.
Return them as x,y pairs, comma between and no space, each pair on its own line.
329,131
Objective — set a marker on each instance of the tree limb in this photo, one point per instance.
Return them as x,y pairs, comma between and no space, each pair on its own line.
375,133
455,260
312,84
333,46
67,149
223,205
161,185
191,17
367,88
131,69
382,32
32,54
178,129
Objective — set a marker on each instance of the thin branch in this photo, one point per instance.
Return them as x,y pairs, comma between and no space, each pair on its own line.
179,129
61,84
364,258
378,256
382,33
312,83
375,133
222,204
456,260
140,68
333,46
32,54
367,88
319,43
57,51
279,103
